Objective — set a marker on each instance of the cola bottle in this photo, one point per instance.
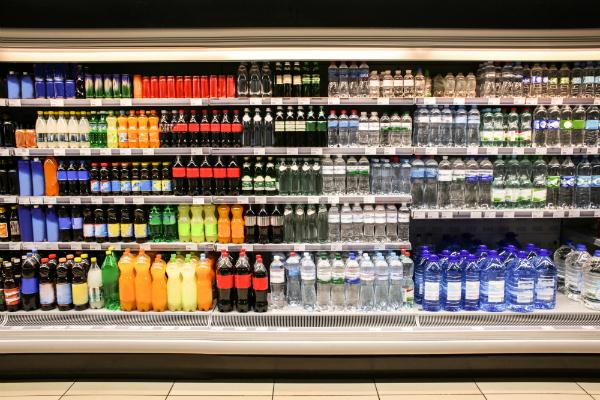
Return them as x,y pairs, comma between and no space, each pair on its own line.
250,225
205,130
236,130
179,180
192,174
260,284
233,178
243,282
166,134
224,282
206,177
215,130
220,178
226,139
180,130
194,130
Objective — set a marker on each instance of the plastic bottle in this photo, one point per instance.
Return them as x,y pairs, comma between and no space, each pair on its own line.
591,281
189,296
545,281
432,284
417,178
112,136
153,130
573,271
493,280
204,283
381,283
159,284
210,223
308,275
520,284
566,191
127,281
457,187
337,297
174,282
225,282
277,281
352,283
332,130
110,281
324,283
583,184
132,130
94,284
367,278
293,279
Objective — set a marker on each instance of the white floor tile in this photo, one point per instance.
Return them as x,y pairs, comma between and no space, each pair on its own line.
591,387
546,387
324,388
113,397
29,397
223,388
34,388
432,397
120,388
385,387
538,396
336,397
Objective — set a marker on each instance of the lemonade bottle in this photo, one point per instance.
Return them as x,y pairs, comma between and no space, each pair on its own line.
237,224
188,285
224,225
143,129
127,281
197,224
153,130
204,283
112,137
50,176
143,282
122,129
159,284
210,223
174,284
132,130
183,222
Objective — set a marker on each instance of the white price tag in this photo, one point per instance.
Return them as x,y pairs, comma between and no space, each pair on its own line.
125,102
597,100
592,150
336,247
532,101
370,151
313,199
299,247
492,151
430,101
383,101
146,246
36,200
119,200
95,246
105,152
57,102
379,246
476,214
333,101
197,200
75,200
8,199
519,100
566,150
221,247
447,214
303,101
21,152
458,101
333,199
556,101
50,200
276,101
540,150
96,200
471,150
255,101
14,102
316,151
574,213
558,213
137,200
369,199
493,101
242,199
191,247
389,151
24,200
292,151
125,152
59,152
260,200
537,214
95,102
196,102
419,214
85,152
259,151
431,151
76,246
196,151
509,214
518,151
14,246
148,152
596,213
489,214
433,215
248,247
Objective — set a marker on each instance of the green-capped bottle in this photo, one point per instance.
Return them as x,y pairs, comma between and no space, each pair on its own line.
155,225
110,281
169,224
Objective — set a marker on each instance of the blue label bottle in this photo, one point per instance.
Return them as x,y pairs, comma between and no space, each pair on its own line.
493,282
432,285
520,285
546,280
452,284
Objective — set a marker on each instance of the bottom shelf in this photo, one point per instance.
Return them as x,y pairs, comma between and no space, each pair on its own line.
570,328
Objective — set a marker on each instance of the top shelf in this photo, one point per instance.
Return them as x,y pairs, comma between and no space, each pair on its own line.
293,101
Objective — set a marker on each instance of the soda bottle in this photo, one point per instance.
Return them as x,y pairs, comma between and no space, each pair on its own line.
263,222
132,130
145,181
237,224
159,284
50,177
156,179
210,223
225,279
122,130
125,180
143,282
194,130
192,173
250,231
188,285
94,284
29,282
140,225
79,286
179,177
183,223
236,130
11,287
174,284
276,223
47,293
243,282
206,177
197,224
224,224
204,283
166,185
233,178
127,281
110,281
260,285
64,298
112,137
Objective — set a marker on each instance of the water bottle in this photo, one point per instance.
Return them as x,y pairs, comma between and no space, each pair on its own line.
452,278
327,175
332,130
367,278
368,223
578,126
292,269
595,190
385,126
566,191
520,284
346,223
513,136
380,223
387,177
381,284
363,172
553,183
583,184
374,84
573,271
559,259
471,183
417,179
357,223
352,276
473,122
457,187
333,218
343,130
587,86
339,175
333,75
421,127
353,80
403,223
338,300
487,127
373,138
391,218
444,181
445,129
363,129
591,282
432,284
308,275
498,134
430,184
591,126
470,285
324,283
525,125
405,168
485,178
397,183
435,129
420,263
351,175
343,86
493,279
375,168
553,127
353,123
545,281
459,128
277,279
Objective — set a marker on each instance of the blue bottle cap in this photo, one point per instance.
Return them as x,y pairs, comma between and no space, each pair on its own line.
493,253
433,258
597,253
580,247
445,253
522,254
472,257
543,253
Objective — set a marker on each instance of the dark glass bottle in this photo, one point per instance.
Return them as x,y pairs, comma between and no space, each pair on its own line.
296,80
278,87
15,228
287,79
126,225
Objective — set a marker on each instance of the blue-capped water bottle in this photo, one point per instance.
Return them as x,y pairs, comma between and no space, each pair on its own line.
493,281
452,284
520,286
546,280
432,284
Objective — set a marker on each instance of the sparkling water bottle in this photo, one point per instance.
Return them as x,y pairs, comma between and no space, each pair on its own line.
578,127
324,283
353,124
338,300
591,126
343,86
352,274
352,175
403,223
367,278
334,223
308,275
363,84
292,269
591,282
485,178
373,138
343,129
553,183
583,184
553,127
405,168
421,126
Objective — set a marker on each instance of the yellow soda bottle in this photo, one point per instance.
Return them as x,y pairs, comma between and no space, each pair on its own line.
210,223
174,284
112,137
183,222
197,224
188,285
224,224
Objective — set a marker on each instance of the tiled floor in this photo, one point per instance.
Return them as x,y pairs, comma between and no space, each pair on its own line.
279,389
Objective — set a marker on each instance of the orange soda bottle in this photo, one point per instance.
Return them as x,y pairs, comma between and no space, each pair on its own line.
237,224
20,138
122,130
159,284
126,281
132,130
143,129
223,224
50,180
204,283
153,130
143,282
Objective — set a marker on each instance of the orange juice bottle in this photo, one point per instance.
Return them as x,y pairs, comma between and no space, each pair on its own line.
143,282
153,130
50,180
31,138
223,224
20,138
237,224
126,281
122,130
159,284
204,281
143,129
132,130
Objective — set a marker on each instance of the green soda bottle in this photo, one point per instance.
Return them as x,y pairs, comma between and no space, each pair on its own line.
110,281
93,136
155,225
102,130
169,222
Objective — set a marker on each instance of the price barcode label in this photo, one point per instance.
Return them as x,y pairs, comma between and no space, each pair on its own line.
383,101
198,200
431,151
389,151
119,200
59,152
104,152
316,151
125,102
574,213
447,214
519,100
419,214
14,246
509,214
566,150
196,102
540,150
596,213
303,101
333,199
379,246
433,215
476,214
260,199
259,152
95,246
430,101
532,101
493,101
85,152
242,199
336,247
191,247
95,102
51,200
371,151
518,151
597,100
558,213
458,101
57,102
292,151
75,246
255,101
221,247
537,214
369,199
556,101
148,152
146,246
14,102
75,200
196,151
276,101
333,101
137,200
472,150
299,247
125,152
96,200
313,199
489,214
36,200
492,150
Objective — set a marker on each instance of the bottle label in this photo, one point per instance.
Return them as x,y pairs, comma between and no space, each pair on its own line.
552,181
156,186
95,294
12,296
333,218
591,124
471,175
417,173
233,172
526,135
578,124
525,292
3,230
458,175
166,186
224,281
545,289
83,175
430,172
77,223
100,230
496,291
29,285
567,181
498,195
472,290
374,126
114,230
259,183
553,124
115,186
126,230
432,291
486,175
135,185
15,229
47,293
498,135
220,173
487,135
88,230
346,218
538,195
595,181
247,184
539,124
584,181
206,172
63,294
243,281
64,223
146,185
391,217
125,186
454,291
140,230
210,230
105,186
444,175
588,79
260,283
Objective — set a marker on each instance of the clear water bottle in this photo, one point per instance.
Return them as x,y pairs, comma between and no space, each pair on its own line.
432,284
566,191
386,176
387,84
420,262
405,131
334,223
343,129
417,179
449,85
553,183
385,127
487,127
408,285
351,175
471,82
353,123
443,183
277,280
506,81
536,80
391,222
564,81
324,283
498,189
346,223
499,134
322,224
583,184
357,223
591,126
288,224
435,128
553,126
368,223
559,259
367,278
396,175
591,282
430,185
471,183
552,81
327,175
396,272
472,133
419,83
363,171
539,189
352,274
459,128
353,80
299,223
332,129
484,181
576,80
421,126
445,130
292,270
363,129
333,76
595,191
566,124
409,84
452,277
338,300
573,271
405,168
381,284
373,138
398,84
457,187
374,84
545,282
461,85
363,84
520,284
380,223
403,223
308,275
343,86
525,125
470,285
512,136
339,175
493,280
578,126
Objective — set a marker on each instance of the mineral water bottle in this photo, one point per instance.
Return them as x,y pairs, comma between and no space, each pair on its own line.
461,85
384,130
375,168
484,180
374,84
352,275
435,130
292,278
403,219
578,129
337,283
343,86
324,283
343,129
513,139
387,84
553,126
373,139
357,223
573,271
539,189
595,197
408,285
432,284
332,130
576,80
381,283
363,129
545,281
493,280
472,133
553,183
363,83
583,185
419,83
430,186
327,175
512,185
277,279
396,135
308,275
559,259
457,187
380,222
391,221
459,128
470,287
452,278
564,79
421,261
386,176
396,271
405,168
333,218
406,124
499,136
445,131
471,85
398,84
487,127
566,191
339,175
498,189
552,81
353,79
591,126
363,171
396,175
443,183
346,223
333,76
417,179
353,124
536,80
368,223
449,85
506,81
409,84
525,125
351,175
471,183
421,130
525,185
520,284
367,278
590,292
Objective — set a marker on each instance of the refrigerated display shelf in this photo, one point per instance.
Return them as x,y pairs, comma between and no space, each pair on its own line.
184,246
293,101
504,213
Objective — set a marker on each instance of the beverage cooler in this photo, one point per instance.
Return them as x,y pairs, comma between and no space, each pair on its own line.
290,199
